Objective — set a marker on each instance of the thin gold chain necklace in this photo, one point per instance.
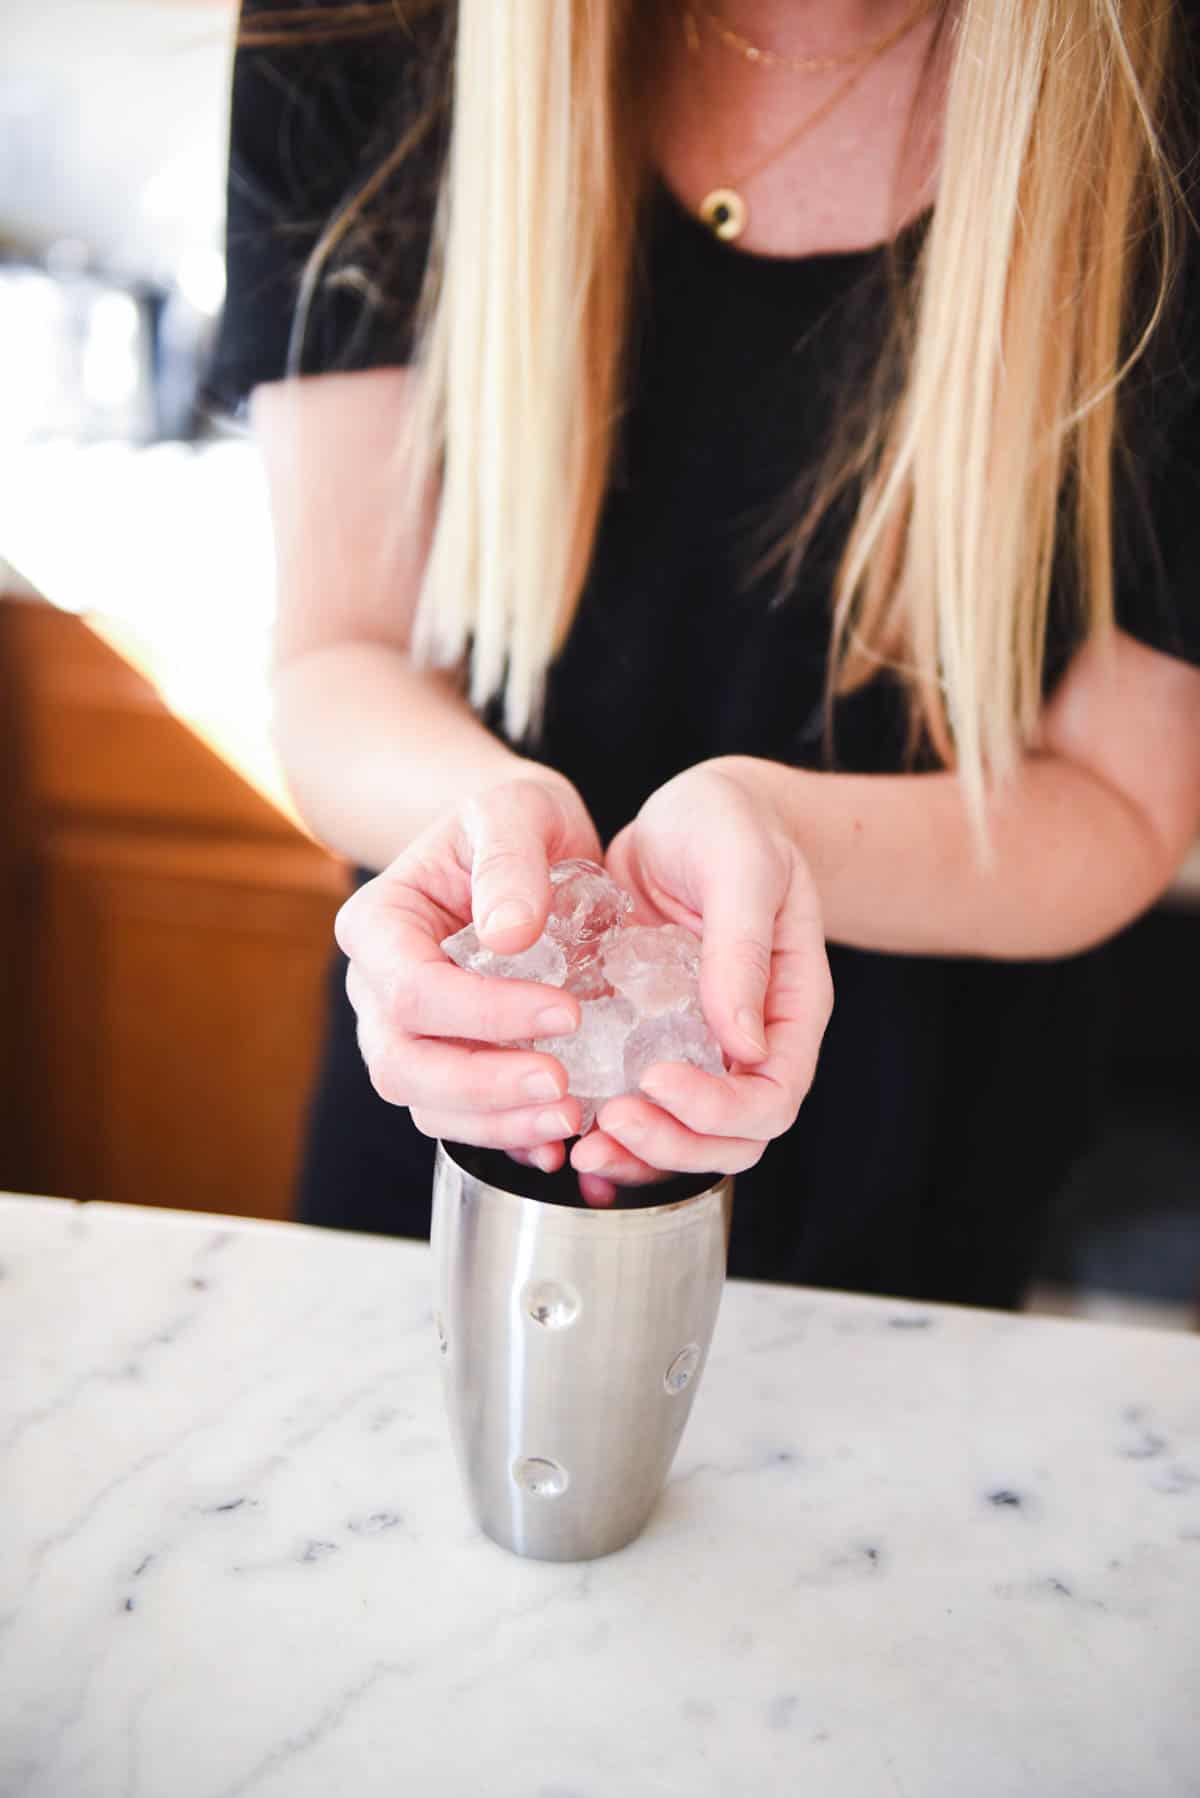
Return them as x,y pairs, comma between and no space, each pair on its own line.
723,209
801,65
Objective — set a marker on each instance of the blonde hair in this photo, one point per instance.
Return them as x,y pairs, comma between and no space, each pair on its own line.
988,466
522,356
997,459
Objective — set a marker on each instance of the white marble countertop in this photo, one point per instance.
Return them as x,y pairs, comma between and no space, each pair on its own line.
906,1551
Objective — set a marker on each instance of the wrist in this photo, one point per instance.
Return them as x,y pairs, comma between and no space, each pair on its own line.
505,767
524,768
794,802
765,783
561,799
561,790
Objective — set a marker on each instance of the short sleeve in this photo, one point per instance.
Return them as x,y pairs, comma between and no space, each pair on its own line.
1157,499
313,124
1157,478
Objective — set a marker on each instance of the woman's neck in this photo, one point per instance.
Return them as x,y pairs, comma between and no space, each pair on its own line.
806,27
847,180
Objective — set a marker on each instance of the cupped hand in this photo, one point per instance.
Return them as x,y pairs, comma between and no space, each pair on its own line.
428,1030
709,851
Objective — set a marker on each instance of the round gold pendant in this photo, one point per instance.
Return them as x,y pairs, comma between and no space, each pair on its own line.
724,212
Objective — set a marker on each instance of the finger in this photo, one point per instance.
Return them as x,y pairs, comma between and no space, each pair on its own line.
527,1128
760,1101
596,1192
358,990
458,1077
547,1159
663,1142
394,949
599,1154
420,991
756,1103
742,894
621,862
442,1000
429,901
799,1006
510,835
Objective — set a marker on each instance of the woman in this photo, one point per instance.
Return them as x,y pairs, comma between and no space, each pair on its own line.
782,478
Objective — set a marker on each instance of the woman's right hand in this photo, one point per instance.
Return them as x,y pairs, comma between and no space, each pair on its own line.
426,1028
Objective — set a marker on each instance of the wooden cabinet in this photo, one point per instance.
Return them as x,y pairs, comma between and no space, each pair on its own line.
170,930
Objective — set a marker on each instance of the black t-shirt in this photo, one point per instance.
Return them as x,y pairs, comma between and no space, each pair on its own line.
951,1093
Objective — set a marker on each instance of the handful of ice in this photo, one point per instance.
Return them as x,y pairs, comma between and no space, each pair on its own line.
638,986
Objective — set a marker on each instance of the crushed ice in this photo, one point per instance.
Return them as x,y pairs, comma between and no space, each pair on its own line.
638,985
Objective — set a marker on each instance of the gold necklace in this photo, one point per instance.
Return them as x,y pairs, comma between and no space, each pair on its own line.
723,209
799,65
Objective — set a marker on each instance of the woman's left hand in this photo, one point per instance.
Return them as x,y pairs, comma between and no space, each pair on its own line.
709,851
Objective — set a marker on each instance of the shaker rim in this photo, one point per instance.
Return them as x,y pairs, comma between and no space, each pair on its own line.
600,1219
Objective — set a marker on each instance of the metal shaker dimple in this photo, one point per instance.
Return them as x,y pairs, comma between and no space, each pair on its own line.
573,1340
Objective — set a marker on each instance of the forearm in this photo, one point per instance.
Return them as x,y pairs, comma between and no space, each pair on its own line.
897,869
375,750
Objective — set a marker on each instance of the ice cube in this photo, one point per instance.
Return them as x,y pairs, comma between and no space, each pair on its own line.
586,977
638,986
671,1036
586,907
585,904
594,1056
544,961
656,969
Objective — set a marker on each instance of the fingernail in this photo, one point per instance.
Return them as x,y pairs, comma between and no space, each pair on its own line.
557,1021
545,1160
551,1123
541,1086
514,914
750,1025
597,1192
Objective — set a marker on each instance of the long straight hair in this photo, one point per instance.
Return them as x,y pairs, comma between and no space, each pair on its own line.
986,462
523,351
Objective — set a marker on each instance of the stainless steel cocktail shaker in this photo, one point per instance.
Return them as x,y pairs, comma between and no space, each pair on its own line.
572,1341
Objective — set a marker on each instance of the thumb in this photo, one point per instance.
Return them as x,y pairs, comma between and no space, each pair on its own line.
508,833
742,892
622,865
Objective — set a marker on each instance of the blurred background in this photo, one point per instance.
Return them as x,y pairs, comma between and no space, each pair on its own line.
156,893
166,919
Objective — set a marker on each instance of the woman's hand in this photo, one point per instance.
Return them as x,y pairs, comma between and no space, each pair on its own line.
422,1022
710,851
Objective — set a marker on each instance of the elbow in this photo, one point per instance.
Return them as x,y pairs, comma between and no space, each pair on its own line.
295,730
1164,828
1124,722
288,709
1137,868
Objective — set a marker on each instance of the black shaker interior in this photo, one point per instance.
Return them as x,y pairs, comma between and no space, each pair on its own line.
497,1169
